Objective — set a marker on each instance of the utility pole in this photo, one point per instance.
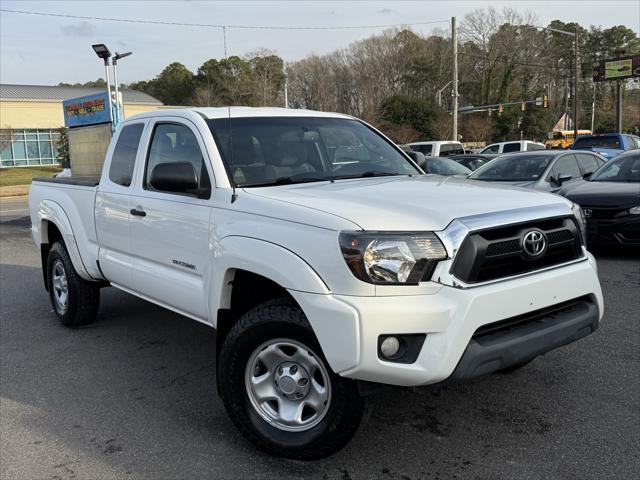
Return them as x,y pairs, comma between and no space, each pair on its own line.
575,89
593,108
454,45
286,91
619,98
618,106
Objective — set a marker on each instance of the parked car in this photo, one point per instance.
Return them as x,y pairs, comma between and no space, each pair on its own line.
609,145
514,146
546,170
437,165
610,201
437,149
473,161
324,279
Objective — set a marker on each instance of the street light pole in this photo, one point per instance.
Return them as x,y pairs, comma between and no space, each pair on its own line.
454,45
103,52
575,89
119,112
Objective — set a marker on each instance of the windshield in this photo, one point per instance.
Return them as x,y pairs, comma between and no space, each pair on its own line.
597,142
619,170
262,151
513,168
444,166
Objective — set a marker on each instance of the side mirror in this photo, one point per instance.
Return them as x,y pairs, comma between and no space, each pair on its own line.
587,175
563,177
418,158
176,177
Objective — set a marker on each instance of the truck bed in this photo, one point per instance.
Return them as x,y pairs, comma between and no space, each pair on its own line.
79,181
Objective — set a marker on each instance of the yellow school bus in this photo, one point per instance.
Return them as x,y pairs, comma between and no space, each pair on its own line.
563,139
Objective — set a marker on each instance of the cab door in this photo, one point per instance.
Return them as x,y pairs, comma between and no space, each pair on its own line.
112,204
170,218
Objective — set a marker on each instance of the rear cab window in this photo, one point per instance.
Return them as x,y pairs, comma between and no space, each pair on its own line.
511,147
123,158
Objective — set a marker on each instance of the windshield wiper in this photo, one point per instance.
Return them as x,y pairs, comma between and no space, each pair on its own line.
285,181
368,174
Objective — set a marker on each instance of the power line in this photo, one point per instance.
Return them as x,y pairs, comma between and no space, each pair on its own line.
213,25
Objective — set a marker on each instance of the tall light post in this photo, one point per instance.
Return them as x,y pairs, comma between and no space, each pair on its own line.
103,52
119,108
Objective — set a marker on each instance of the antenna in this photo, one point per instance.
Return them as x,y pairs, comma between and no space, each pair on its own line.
234,195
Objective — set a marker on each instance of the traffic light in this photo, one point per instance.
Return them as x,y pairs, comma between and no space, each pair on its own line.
545,102
523,106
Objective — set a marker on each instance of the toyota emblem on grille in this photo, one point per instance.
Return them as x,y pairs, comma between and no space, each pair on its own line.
534,243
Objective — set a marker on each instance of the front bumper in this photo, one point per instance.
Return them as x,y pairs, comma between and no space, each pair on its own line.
348,327
615,231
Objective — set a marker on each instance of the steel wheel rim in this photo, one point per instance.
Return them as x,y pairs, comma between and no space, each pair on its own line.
60,288
288,385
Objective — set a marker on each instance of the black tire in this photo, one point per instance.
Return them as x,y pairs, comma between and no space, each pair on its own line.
83,297
281,319
516,367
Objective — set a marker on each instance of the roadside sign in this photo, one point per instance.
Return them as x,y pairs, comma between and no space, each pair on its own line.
89,110
617,69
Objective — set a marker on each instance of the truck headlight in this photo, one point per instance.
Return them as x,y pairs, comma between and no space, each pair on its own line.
634,210
581,220
391,258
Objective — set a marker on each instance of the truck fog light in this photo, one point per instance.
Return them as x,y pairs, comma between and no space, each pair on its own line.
390,346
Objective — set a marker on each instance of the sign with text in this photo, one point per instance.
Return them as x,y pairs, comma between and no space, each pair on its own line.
89,110
618,69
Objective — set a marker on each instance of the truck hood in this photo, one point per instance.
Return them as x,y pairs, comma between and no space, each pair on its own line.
426,202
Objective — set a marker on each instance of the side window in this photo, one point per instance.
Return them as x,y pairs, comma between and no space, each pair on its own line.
566,165
175,163
588,163
495,148
458,149
445,149
511,147
123,158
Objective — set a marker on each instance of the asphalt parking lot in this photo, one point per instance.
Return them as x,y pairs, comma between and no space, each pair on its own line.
133,396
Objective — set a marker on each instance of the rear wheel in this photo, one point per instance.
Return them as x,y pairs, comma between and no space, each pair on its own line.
75,301
279,389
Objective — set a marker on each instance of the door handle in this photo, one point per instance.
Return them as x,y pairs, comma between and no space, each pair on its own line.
138,213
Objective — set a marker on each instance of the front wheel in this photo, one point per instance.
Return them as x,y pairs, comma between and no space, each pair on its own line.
278,388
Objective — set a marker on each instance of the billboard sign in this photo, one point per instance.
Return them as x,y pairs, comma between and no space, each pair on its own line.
89,110
618,69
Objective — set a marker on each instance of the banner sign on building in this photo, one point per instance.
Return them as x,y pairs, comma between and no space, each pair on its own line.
618,69
89,110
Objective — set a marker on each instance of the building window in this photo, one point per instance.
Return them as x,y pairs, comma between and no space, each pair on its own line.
20,148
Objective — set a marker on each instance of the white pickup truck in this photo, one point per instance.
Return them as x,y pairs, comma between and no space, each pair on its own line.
327,262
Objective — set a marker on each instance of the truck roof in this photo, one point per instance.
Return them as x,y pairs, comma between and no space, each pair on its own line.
240,112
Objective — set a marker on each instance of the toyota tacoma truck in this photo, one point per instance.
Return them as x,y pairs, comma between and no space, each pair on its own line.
327,261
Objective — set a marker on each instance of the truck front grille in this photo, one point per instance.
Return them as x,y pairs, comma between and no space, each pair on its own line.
498,252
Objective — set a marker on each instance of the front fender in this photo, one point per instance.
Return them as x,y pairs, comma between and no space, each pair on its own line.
267,259
334,323
50,211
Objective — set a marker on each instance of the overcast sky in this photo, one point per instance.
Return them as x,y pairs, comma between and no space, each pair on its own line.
48,50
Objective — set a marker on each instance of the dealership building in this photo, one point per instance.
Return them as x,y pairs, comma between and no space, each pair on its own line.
30,116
